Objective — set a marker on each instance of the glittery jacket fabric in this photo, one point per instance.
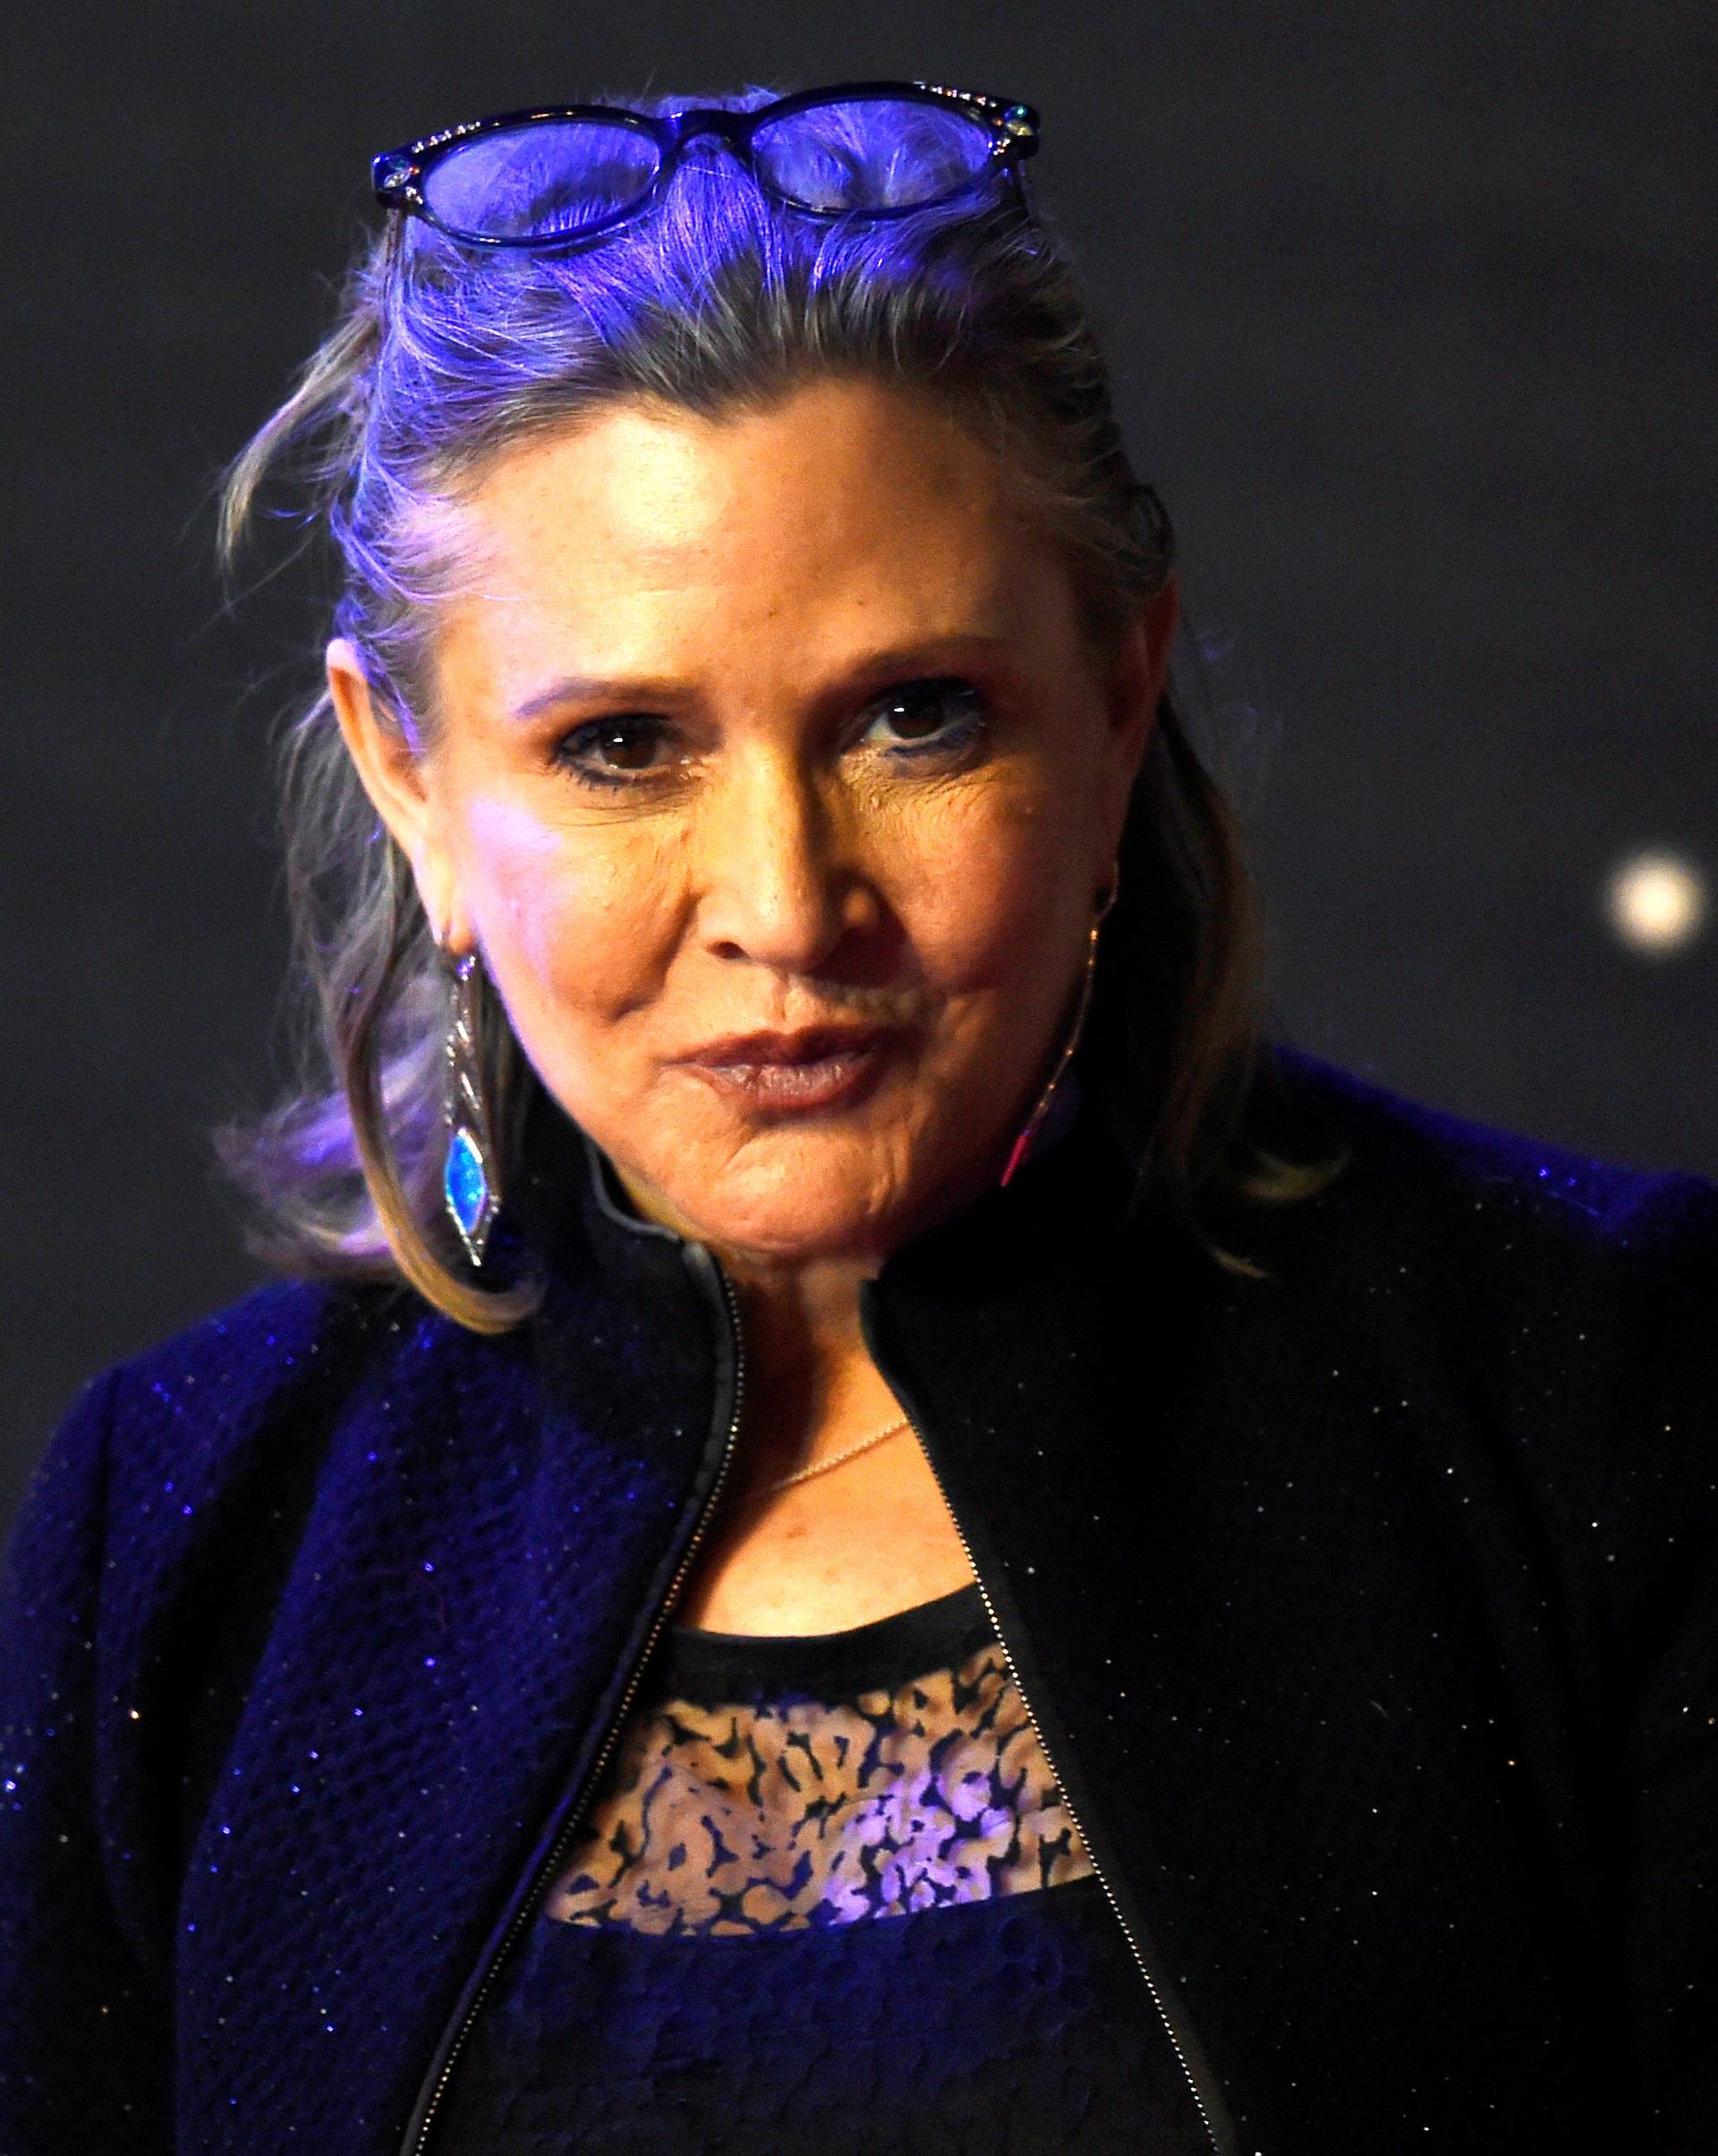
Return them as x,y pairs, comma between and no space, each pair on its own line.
1368,1612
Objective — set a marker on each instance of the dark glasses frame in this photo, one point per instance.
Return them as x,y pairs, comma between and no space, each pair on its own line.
397,176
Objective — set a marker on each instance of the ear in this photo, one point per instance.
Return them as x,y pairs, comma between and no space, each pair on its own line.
1158,619
1140,669
394,769
1142,663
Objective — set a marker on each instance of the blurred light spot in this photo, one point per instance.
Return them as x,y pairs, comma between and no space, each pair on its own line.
1656,902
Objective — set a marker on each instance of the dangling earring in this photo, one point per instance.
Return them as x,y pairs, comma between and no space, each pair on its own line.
1023,1144
469,1186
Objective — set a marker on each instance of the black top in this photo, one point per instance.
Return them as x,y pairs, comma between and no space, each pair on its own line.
827,1898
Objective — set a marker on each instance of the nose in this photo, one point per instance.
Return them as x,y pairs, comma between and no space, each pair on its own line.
767,865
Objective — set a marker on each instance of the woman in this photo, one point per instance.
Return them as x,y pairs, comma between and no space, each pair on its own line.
792,1564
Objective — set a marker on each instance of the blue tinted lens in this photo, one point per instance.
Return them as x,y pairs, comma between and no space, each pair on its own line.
871,153
556,176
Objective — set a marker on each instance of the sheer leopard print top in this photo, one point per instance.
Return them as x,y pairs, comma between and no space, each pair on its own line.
747,1799
828,1901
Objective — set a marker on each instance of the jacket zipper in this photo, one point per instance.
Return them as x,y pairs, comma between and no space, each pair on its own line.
1098,1870
575,1818
611,1736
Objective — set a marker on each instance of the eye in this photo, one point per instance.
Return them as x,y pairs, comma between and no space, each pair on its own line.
934,716
940,713
615,751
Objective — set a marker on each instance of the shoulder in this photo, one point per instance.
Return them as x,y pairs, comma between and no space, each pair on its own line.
150,1442
1565,1306
1439,1182
228,1365
1570,1300
182,1418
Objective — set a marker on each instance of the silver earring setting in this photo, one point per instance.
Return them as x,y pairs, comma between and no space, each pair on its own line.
469,1186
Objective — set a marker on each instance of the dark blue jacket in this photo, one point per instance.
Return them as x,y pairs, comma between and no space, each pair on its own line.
1367,1612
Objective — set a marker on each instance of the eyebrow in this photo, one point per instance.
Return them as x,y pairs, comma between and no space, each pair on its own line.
590,688
894,662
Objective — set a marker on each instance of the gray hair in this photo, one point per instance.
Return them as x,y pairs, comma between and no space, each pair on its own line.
717,301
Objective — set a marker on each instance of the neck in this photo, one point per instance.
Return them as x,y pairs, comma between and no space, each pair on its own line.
811,1385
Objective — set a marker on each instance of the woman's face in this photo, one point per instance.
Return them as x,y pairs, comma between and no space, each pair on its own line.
772,724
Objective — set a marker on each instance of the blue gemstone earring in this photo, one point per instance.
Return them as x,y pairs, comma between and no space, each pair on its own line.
469,1186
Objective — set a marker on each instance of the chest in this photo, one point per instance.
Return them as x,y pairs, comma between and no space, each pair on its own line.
874,1537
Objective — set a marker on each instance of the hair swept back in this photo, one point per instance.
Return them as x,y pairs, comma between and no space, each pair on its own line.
717,301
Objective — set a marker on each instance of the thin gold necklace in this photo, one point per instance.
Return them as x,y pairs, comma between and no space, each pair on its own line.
822,1466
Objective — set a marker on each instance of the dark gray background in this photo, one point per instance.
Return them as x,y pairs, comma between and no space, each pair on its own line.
1411,308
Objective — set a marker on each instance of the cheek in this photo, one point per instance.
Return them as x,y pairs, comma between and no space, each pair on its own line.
564,915
982,908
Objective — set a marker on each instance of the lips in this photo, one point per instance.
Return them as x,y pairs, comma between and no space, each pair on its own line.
812,1044
819,1066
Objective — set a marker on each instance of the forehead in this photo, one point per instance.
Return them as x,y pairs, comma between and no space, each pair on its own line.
845,510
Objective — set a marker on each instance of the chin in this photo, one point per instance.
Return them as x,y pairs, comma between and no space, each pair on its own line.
798,1202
